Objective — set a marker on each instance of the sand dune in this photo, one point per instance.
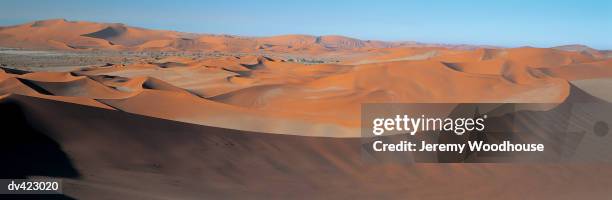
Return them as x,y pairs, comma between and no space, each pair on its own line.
136,157
596,87
279,96
332,90
64,84
140,94
222,116
87,36
200,80
15,86
10,84
130,36
566,127
582,49
53,34
578,71
78,35
340,94
136,84
275,96
191,109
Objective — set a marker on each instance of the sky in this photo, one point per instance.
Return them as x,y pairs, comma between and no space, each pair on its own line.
508,23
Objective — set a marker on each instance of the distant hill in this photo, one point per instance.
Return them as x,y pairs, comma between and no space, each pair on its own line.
581,48
80,35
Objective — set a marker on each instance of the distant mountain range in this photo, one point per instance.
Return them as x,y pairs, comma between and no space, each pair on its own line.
60,34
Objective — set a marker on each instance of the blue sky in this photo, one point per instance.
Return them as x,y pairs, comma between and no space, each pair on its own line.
511,23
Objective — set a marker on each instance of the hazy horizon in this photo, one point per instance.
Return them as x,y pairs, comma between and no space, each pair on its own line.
507,24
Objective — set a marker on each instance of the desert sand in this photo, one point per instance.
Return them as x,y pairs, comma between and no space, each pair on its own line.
272,117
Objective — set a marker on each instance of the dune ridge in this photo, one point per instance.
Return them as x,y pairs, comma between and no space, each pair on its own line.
80,35
220,116
274,95
171,157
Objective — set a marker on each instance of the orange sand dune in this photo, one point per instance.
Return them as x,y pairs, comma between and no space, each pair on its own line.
154,97
4,75
583,50
188,108
272,117
136,84
217,76
577,71
64,84
396,54
340,93
129,36
11,86
77,35
310,43
524,65
278,91
200,80
112,154
53,34
279,96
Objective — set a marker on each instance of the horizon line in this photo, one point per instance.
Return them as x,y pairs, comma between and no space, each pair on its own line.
306,34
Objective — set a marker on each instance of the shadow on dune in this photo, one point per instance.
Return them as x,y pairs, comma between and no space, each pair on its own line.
14,71
25,151
35,87
565,129
128,156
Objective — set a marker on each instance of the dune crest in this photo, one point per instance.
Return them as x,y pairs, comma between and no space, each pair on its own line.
61,34
273,95
287,84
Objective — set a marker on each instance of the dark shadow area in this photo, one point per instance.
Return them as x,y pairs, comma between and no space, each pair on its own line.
577,125
453,66
34,86
25,151
14,71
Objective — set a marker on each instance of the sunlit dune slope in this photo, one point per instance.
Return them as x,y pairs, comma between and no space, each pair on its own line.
285,97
